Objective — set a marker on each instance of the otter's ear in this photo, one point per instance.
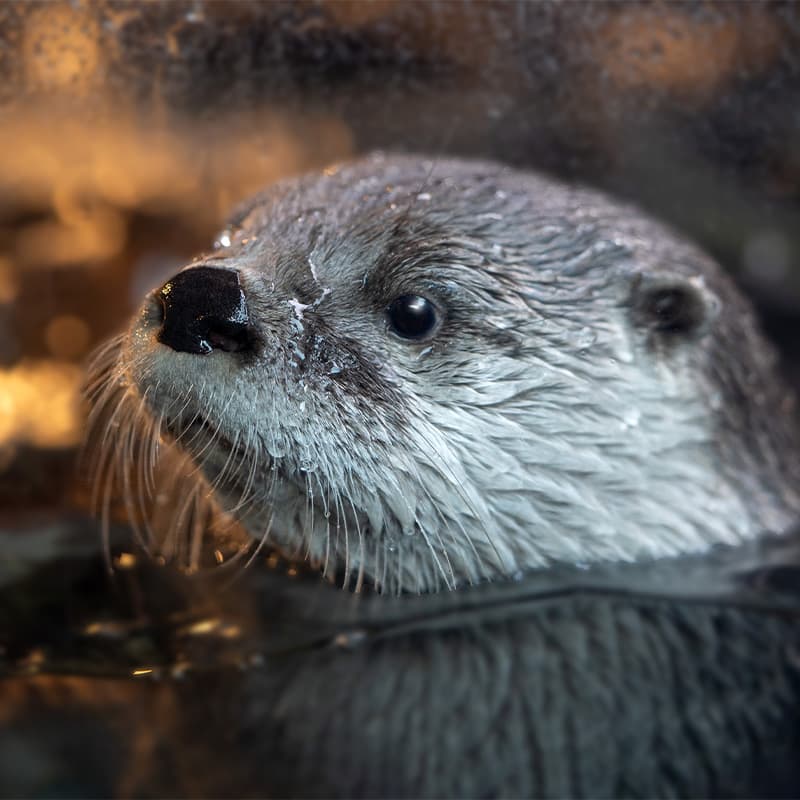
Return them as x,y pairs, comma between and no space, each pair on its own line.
673,305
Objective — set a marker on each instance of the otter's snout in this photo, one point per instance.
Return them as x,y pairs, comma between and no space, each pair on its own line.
204,309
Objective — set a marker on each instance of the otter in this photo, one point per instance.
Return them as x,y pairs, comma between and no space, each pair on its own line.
421,375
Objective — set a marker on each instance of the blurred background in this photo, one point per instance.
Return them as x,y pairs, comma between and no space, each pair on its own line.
128,130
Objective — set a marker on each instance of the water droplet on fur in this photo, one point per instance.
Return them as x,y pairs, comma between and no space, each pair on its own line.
302,406
409,530
631,417
335,369
585,338
391,546
307,465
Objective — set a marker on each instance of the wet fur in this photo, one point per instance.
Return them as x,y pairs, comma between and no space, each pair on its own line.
551,418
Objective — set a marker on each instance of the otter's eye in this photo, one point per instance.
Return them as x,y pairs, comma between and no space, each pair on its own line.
412,316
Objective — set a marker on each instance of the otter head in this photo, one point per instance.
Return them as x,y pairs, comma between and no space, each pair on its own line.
424,375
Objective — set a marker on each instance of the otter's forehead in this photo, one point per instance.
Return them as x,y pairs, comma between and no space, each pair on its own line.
359,220
356,197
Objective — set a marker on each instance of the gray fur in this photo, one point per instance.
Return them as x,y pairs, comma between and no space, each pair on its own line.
548,420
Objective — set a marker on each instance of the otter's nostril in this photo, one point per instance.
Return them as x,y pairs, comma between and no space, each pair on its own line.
204,309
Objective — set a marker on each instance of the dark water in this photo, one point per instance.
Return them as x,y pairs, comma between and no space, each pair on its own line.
149,683
127,132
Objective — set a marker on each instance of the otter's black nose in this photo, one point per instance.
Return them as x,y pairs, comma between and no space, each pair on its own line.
204,310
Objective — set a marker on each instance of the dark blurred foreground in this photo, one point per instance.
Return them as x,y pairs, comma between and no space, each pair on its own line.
676,679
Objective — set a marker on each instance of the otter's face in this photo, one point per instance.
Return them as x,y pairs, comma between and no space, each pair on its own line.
425,381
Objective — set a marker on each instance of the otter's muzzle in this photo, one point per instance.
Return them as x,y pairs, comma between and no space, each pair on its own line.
204,309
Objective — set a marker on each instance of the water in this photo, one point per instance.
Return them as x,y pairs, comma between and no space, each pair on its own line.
104,661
